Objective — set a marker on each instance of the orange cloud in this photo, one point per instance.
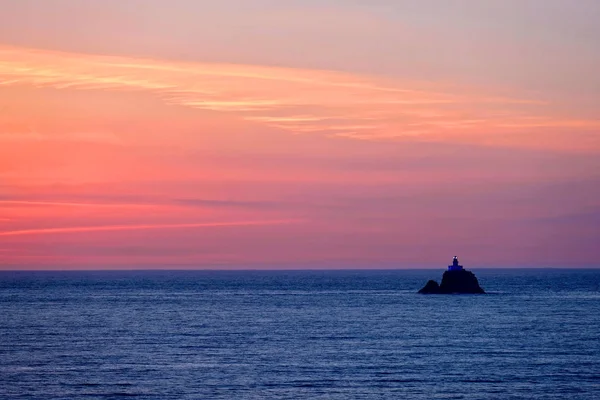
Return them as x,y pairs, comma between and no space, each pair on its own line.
72,204
296,100
82,229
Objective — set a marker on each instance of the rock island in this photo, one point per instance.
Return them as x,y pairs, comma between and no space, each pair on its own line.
456,280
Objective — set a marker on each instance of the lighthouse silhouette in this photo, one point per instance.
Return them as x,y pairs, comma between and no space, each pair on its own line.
455,266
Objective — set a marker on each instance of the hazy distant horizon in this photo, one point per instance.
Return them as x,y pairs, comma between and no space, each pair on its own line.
178,268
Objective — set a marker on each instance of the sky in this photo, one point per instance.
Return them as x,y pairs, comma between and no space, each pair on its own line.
192,134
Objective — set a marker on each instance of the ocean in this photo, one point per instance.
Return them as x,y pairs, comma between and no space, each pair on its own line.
298,335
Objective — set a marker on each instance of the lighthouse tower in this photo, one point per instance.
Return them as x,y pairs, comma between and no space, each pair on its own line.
455,266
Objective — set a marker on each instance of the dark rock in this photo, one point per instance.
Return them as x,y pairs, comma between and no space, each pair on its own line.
462,281
431,287
456,280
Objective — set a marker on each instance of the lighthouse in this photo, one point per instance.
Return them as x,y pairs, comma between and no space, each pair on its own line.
455,266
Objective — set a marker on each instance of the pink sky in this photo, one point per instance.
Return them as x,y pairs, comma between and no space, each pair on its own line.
331,134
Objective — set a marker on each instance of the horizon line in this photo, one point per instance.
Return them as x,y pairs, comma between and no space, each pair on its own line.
308,269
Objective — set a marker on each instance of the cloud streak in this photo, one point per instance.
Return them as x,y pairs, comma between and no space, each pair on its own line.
72,204
112,228
294,100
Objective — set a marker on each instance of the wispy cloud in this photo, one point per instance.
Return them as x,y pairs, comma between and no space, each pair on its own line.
72,204
141,202
295,100
108,228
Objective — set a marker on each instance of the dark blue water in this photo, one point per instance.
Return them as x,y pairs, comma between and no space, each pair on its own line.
298,335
